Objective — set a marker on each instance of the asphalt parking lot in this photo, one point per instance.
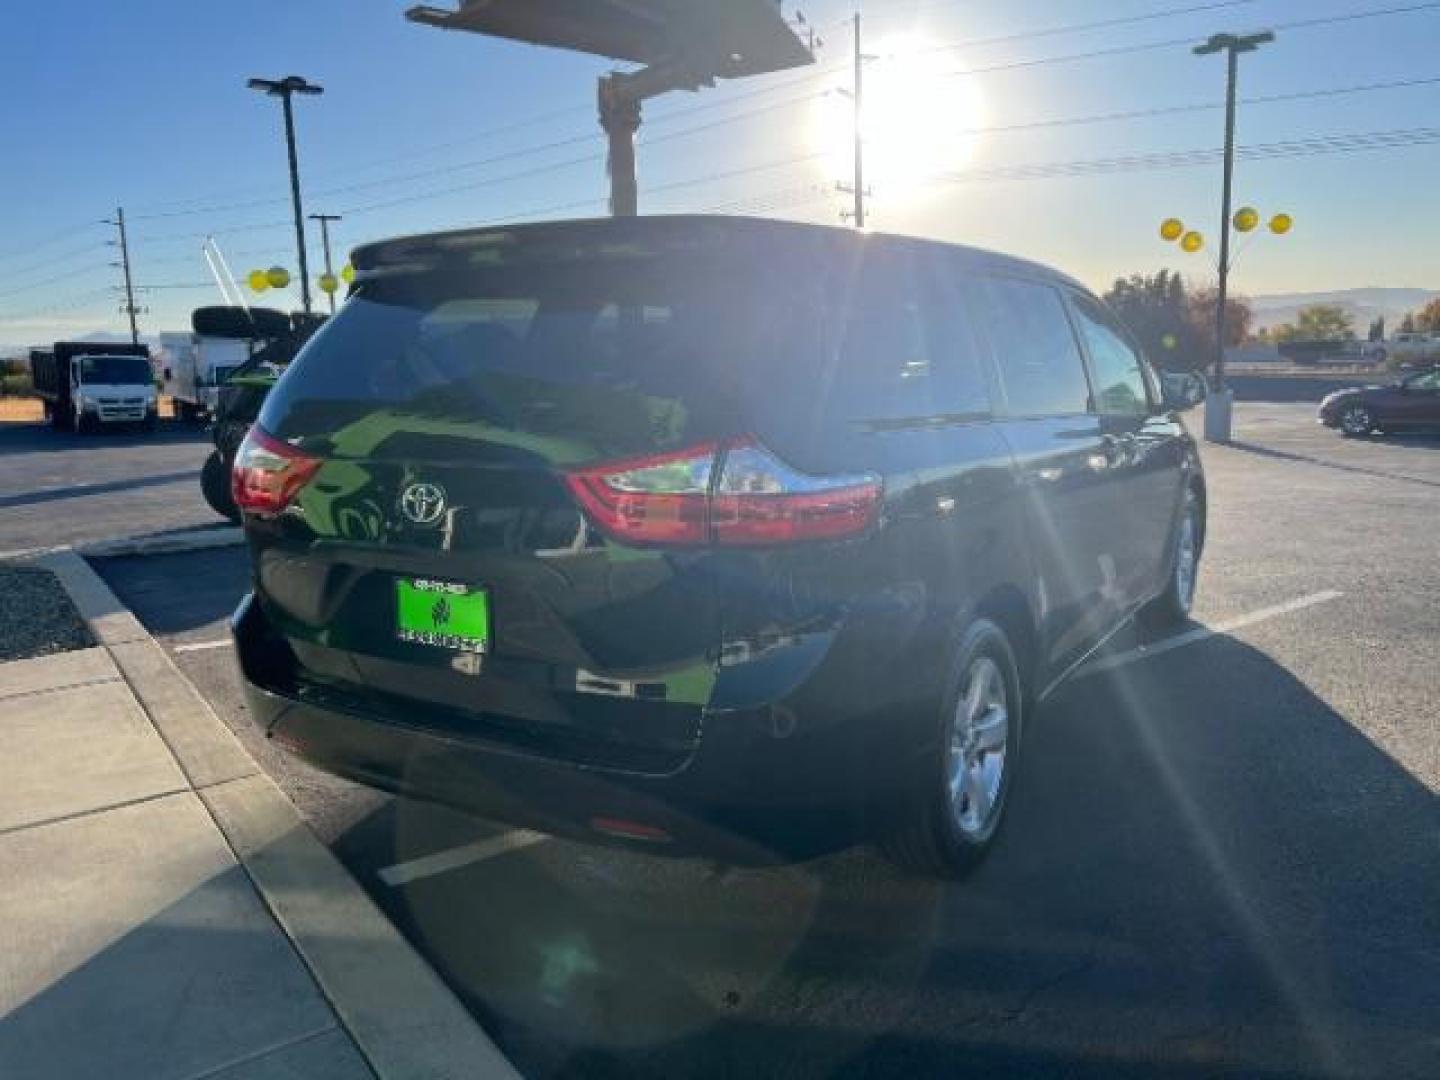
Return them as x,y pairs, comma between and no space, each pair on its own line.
1222,857
61,488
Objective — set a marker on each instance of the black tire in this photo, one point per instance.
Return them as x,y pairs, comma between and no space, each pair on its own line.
149,424
926,836
1356,421
215,486
238,322
1172,607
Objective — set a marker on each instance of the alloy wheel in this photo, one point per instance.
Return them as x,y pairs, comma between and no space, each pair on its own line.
976,755
1356,421
1186,557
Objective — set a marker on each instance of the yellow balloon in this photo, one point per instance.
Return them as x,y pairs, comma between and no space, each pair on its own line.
1246,218
258,280
1171,228
1280,224
1192,242
347,273
278,277
329,283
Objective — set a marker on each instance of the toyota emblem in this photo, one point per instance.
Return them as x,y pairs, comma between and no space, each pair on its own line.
423,503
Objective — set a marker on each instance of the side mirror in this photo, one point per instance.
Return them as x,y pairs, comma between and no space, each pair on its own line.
1182,390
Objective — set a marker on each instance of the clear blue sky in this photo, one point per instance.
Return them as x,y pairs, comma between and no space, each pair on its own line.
145,105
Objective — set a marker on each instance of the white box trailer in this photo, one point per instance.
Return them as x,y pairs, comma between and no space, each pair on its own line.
197,363
194,366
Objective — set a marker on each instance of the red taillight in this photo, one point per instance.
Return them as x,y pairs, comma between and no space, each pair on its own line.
756,498
662,499
761,500
267,473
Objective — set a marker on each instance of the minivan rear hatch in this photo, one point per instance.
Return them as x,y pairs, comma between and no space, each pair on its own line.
436,566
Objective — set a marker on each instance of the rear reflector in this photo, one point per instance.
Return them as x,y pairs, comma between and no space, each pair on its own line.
756,499
630,830
268,473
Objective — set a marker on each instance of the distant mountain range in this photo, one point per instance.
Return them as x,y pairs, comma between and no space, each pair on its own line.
1363,305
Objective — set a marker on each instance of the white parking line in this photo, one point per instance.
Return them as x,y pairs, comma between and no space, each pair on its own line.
201,646
1201,633
454,858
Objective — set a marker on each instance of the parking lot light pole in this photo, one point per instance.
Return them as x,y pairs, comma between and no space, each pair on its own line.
325,220
1217,407
285,89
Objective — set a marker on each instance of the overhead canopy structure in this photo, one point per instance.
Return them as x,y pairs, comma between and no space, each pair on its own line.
684,44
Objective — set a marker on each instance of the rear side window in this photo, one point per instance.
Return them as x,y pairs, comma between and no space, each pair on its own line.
1035,351
1119,378
906,352
585,359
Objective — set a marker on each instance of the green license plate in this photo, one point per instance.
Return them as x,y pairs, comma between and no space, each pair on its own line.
442,613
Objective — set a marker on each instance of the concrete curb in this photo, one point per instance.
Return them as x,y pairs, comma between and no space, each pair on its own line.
405,1020
164,543
202,539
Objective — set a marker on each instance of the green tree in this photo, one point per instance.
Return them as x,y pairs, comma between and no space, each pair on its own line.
1377,329
1238,317
1429,317
1156,309
1319,322
1407,324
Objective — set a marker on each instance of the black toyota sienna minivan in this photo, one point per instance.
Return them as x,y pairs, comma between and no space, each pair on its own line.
712,535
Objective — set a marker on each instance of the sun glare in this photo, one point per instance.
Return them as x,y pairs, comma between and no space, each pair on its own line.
917,120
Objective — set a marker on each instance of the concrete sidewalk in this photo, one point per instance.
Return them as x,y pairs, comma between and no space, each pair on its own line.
131,942
164,913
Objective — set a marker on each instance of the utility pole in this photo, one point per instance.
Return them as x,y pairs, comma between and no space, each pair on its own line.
124,245
325,220
859,138
1218,406
285,89
856,94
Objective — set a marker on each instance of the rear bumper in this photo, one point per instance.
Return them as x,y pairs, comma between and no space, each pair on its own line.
756,789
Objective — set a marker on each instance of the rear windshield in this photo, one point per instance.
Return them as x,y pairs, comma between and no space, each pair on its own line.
114,369
626,356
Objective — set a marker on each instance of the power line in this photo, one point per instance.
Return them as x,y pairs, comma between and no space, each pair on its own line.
666,117
49,281
1055,122
1291,148
1355,142
811,76
1073,28
69,303
1170,43
64,234
1169,110
88,249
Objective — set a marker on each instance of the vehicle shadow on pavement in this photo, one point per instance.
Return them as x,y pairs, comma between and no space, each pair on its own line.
1363,470
213,582
31,498
41,438
1206,869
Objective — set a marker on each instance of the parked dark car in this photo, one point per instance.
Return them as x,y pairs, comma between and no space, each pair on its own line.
1408,404
704,534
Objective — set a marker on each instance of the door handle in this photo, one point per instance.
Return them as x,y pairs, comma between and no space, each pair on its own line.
1119,449
1107,456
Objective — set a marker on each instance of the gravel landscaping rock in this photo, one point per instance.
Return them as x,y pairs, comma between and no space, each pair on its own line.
36,616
